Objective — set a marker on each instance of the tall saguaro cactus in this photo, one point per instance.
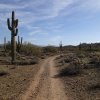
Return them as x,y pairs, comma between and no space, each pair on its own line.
5,44
60,46
14,30
19,43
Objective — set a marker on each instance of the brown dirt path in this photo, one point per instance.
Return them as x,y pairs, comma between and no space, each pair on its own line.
44,86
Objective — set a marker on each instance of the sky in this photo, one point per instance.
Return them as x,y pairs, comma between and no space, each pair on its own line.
47,22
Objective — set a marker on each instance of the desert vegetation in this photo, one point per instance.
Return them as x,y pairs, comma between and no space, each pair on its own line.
78,66
79,71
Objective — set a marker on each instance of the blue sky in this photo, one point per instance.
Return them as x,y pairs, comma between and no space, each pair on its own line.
44,22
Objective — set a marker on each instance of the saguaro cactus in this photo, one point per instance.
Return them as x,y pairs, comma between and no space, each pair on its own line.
5,44
60,46
19,43
13,28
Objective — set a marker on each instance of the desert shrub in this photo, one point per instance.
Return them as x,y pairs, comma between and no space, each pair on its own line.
50,49
5,60
95,86
42,56
65,60
68,59
8,45
3,71
71,70
28,61
95,60
89,66
30,49
80,55
58,57
77,61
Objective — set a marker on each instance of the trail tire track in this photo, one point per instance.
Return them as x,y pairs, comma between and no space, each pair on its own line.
44,86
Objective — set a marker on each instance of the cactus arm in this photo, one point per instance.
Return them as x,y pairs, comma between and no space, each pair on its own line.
18,39
19,43
13,16
8,23
16,32
21,40
16,23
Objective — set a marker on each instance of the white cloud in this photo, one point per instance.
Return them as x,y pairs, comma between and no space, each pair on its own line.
37,31
93,5
7,7
59,5
32,11
29,27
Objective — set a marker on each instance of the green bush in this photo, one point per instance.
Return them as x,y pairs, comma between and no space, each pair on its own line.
3,71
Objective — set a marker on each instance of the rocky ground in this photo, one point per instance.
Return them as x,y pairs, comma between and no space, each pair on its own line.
80,76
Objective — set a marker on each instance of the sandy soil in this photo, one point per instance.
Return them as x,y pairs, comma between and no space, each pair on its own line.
45,86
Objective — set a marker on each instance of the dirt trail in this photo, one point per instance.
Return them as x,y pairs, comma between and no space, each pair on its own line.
44,86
